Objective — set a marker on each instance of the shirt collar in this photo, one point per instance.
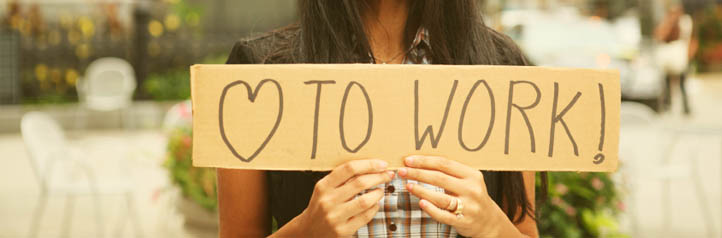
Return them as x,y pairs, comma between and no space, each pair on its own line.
417,51
421,37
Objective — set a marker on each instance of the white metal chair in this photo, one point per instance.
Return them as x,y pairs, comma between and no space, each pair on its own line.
62,172
108,85
645,149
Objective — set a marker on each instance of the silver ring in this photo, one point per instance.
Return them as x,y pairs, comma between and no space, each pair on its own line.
459,207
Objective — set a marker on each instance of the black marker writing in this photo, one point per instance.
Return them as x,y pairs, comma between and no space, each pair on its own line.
251,97
429,130
599,158
521,109
318,83
463,113
343,109
560,118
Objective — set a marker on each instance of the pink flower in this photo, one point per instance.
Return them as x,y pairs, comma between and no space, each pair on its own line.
185,110
561,189
556,201
570,211
597,183
186,141
156,194
621,206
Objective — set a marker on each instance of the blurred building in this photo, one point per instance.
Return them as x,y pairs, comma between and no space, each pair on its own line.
48,44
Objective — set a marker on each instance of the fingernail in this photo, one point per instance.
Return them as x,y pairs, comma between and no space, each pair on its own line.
402,172
390,174
381,165
409,160
423,203
409,186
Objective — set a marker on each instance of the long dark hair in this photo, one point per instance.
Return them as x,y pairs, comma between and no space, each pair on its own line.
332,31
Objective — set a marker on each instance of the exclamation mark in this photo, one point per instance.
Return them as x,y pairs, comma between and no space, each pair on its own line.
599,158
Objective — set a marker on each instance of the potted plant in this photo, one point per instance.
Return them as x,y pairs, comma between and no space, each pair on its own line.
580,205
197,185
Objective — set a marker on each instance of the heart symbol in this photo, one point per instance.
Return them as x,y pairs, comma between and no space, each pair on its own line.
251,97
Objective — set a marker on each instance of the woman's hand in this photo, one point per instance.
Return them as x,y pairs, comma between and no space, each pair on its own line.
333,211
480,214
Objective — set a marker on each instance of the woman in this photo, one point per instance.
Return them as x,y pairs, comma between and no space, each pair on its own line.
431,196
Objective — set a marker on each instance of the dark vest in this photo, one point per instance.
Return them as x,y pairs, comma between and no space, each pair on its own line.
290,191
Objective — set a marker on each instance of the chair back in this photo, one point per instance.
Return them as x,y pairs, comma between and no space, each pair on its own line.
640,140
108,84
636,114
44,140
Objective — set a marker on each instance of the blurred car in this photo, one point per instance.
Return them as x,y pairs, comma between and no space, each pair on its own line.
563,37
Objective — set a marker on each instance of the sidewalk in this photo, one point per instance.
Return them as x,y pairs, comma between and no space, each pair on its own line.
143,152
673,181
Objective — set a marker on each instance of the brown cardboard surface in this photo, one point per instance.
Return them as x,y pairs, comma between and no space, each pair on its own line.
315,117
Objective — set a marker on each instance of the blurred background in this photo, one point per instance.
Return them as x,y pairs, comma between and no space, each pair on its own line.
95,119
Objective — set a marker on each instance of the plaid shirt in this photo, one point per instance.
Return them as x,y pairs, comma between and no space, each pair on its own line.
399,212
400,215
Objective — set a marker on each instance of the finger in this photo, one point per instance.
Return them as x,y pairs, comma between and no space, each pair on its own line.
442,164
360,204
440,200
360,183
356,222
433,177
347,170
438,214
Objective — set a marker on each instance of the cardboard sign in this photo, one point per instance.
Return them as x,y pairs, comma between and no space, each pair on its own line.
315,117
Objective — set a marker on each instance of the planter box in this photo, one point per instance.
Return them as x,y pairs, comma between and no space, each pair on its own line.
198,221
